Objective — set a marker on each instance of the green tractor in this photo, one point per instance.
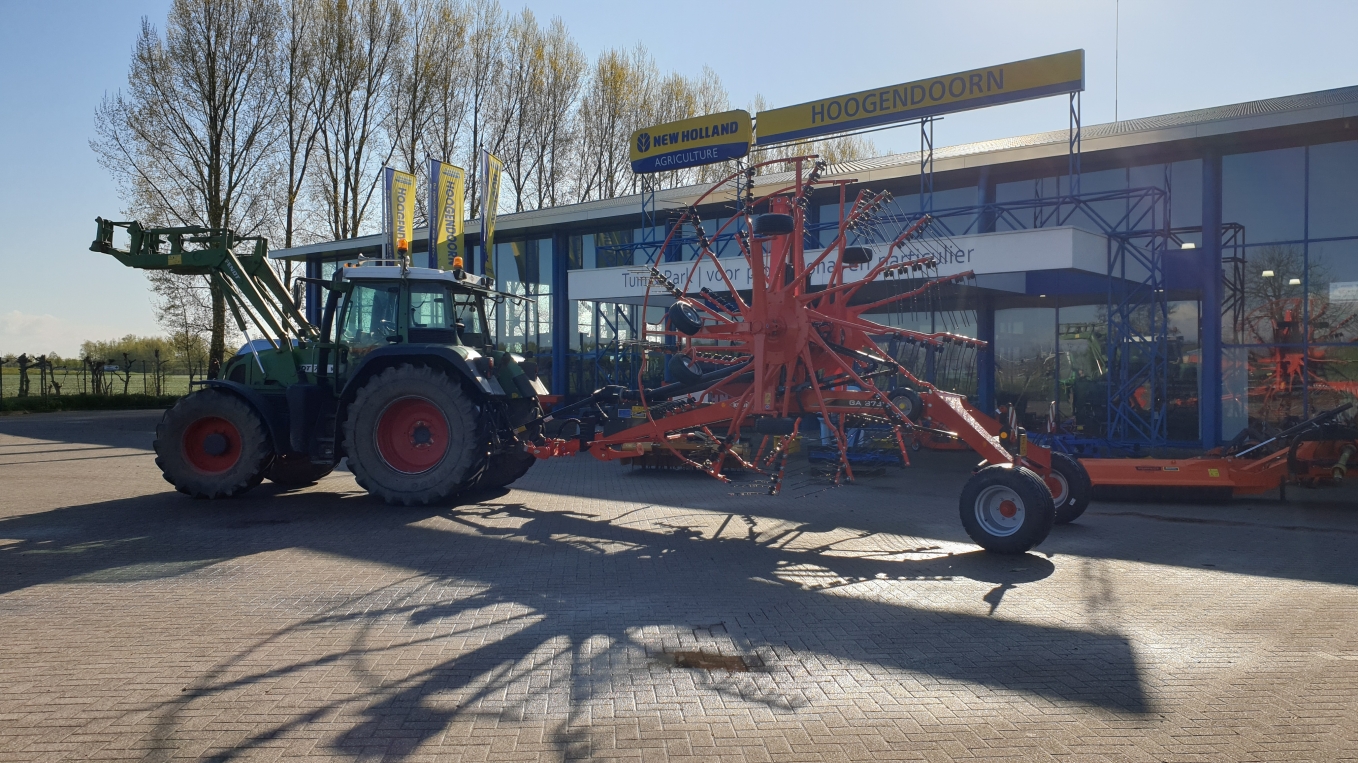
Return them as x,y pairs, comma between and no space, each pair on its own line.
401,378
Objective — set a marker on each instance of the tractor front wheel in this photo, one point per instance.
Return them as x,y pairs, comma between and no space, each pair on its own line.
1006,509
212,444
412,436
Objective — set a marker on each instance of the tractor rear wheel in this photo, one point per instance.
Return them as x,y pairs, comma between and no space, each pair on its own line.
1070,488
212,444
412,436
1006,509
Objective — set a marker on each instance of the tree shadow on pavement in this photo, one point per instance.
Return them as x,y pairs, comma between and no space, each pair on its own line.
578,582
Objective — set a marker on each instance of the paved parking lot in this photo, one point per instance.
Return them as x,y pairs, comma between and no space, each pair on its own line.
563,619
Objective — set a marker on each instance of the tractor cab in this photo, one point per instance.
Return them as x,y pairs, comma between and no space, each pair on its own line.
378,306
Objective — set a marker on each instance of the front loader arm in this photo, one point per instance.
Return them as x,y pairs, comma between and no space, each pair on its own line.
251,286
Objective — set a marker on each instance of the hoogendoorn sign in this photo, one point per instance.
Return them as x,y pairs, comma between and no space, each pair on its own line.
1006,83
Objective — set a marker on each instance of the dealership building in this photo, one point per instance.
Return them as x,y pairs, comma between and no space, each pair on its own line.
1191,275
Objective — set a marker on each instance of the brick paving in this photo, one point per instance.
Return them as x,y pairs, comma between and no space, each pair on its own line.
541,623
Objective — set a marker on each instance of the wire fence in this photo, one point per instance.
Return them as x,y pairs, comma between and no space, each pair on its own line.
37,376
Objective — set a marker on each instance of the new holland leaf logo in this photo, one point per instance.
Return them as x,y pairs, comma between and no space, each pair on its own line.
643,142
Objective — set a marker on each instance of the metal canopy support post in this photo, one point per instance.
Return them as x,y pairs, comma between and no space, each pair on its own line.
1074,136
563,317
926,165
985,200
648,184
985,358
1209,381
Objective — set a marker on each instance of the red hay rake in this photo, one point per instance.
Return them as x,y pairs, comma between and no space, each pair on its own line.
794,348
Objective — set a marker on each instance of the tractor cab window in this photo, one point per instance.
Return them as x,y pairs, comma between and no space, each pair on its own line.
467,314
432,314
370,317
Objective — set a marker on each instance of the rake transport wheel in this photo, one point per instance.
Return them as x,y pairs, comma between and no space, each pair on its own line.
504,468
411,436
211,444
1070,488
1006,509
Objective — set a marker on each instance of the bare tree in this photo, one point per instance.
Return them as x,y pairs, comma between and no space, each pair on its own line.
419,82
554,112
307,90
360,42
524,70
184,309
482,86
613,106
190,139
444,136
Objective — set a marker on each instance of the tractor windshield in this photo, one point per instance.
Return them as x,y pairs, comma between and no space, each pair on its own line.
443,315
370,317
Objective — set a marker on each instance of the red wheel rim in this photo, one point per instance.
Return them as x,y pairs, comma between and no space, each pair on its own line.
212,445
412,435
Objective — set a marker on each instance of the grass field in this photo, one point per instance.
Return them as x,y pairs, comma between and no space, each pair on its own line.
70,381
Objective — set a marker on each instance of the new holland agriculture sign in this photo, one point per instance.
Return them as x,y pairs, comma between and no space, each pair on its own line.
1006,83
691,142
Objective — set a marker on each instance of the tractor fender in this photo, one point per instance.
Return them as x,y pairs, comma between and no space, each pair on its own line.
460,359
273,422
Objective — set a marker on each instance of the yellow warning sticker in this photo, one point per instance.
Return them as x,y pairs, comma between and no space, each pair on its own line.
1213,472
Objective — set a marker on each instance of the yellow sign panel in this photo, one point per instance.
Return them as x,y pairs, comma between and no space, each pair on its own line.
491,171
691,142
399,195
1006,83
447,186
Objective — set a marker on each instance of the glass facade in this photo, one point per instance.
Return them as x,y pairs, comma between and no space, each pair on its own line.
1289,323
1291,301
523,323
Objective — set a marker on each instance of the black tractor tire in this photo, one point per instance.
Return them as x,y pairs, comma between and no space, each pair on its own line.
412,436
212,444
773,225
908,402
856,255
684,369
296,472
685,318
1006,509
1071,501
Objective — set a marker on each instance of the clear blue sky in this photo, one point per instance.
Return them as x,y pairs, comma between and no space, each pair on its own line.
57,59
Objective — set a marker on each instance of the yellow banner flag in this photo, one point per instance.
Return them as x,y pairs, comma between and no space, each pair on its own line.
447,189
491,171
399,199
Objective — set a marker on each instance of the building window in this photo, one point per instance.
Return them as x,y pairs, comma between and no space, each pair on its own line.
1333,185
1265,191
613,248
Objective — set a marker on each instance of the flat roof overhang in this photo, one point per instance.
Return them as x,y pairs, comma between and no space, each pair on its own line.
1333,112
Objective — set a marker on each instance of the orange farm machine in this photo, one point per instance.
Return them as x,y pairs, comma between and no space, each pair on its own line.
749,360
